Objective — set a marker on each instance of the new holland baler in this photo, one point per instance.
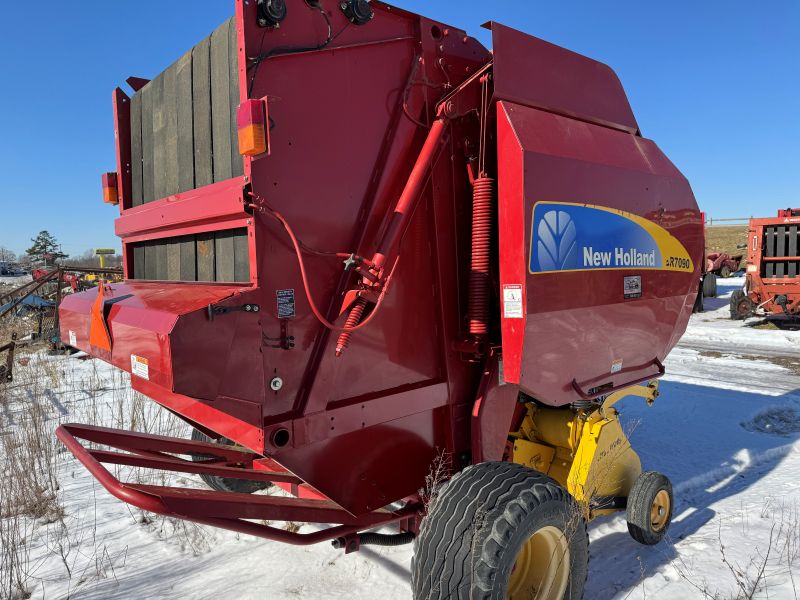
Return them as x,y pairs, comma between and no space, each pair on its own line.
403,278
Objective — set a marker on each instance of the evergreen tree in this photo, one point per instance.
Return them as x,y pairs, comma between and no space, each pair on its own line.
46,247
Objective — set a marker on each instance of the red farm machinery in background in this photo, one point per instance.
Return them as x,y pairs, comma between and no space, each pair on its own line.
723,264
772,284
360,245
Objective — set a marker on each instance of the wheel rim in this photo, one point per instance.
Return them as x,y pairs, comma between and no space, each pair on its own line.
743,308
541,569
659,511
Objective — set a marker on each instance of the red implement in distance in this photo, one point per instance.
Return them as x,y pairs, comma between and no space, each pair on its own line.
772,284
325,304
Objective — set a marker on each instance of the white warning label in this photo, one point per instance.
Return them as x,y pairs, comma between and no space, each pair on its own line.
512,301
140,367
73,339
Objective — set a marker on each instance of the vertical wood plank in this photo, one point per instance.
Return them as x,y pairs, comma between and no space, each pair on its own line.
138,261
205,257
170,108
136,149
150,261
148,192
161,259
241,257
183,94
223,255
173,259
201,104
237,161
188,258
792,250
159,137
769,250
220,103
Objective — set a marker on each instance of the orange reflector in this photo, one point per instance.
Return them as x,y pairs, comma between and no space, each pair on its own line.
251,123
252,140
98,330
110,195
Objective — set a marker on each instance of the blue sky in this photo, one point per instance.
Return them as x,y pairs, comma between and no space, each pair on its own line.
715,83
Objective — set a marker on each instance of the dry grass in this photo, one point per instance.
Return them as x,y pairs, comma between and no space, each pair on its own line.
35,527
771,563
726,238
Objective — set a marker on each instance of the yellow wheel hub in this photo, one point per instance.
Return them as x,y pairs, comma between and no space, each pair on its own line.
541,569
659,511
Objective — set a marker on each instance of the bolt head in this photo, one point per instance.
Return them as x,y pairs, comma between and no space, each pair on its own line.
276,384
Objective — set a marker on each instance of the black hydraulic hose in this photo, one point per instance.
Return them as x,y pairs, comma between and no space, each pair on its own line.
378,539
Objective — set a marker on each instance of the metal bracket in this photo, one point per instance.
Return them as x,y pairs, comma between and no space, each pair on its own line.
285,341
223,310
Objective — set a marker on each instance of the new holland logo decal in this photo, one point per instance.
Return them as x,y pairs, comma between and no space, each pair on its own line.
582,237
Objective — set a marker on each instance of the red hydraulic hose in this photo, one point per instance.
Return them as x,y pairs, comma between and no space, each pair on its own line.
303,275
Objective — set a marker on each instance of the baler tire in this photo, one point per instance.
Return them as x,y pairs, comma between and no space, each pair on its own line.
709,285
226,484
484,521
741,306
649,493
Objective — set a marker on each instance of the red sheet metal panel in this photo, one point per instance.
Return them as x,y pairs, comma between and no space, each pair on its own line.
140,319
218,201
122,135
536,73
595,193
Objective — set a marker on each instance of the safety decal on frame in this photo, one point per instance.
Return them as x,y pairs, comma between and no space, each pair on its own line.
512,301
140,367
285,303
73,339
632,287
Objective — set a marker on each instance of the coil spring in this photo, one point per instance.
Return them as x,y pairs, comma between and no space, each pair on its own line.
353,319
484,191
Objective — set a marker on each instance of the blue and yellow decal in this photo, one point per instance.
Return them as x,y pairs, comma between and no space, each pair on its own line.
583,237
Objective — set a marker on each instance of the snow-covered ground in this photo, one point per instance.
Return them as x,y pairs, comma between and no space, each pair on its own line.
15,280
726,430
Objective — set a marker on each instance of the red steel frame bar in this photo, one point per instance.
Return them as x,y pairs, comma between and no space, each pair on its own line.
227,510
605,391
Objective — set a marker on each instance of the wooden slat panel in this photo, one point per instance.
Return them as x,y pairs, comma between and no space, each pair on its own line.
138,261
223,247
237,162
201,104
780,250
159,137
161,260
170,140
136,149
150,261
183,95
220,103
148,192
241,257
188,258
769,250
173,259
205,257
